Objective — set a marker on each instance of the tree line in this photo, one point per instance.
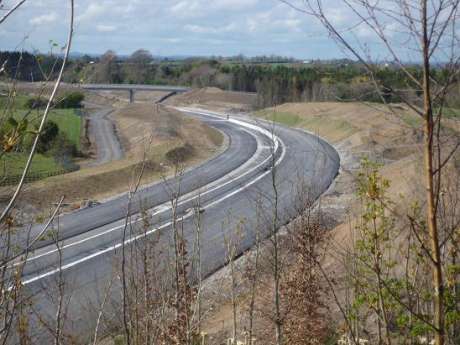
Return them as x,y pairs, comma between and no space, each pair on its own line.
275,83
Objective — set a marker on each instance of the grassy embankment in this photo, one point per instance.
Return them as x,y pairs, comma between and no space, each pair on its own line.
68,122
336,121
155,137
334,130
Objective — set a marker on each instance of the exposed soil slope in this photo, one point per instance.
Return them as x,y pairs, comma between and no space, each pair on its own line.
357,130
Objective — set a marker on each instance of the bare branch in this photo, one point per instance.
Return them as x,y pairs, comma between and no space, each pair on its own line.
45,116
10,11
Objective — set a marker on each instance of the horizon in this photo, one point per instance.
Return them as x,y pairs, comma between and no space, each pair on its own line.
180,28
183,57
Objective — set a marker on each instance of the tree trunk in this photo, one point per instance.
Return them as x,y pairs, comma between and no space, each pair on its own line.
429,185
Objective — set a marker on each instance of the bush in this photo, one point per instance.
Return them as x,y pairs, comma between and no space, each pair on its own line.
36,103
180,154
49,133
62,150
71,100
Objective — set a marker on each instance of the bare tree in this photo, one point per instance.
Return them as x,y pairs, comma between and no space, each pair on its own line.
428,32
14,304
303,287
276,261
231,248
11,10
101,312
127,226
253,275
44,116
196,268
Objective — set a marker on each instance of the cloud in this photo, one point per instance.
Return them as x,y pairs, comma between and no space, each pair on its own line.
199,29
203,8
233,5
184,5
94,10
275,21
168,27
337,16
44,19
106,28
186,8
172,40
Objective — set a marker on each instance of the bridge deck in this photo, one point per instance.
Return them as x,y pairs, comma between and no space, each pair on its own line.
135,87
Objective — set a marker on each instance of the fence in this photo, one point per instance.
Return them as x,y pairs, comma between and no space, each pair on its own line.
34,176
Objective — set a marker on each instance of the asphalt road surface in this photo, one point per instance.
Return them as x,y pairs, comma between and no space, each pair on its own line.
101,130
230,187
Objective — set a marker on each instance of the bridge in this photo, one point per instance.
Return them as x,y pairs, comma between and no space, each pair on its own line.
131,88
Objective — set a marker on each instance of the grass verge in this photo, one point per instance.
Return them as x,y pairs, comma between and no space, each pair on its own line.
334,129
284,118
69,123
13,164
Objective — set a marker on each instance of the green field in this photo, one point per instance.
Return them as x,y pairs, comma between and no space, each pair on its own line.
19,102
13,163
287,119
69,123
68,120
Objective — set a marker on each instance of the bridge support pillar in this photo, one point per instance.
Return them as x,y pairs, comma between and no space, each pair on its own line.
131,96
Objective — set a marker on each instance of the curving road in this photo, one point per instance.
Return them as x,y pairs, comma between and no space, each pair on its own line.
229,187
101,130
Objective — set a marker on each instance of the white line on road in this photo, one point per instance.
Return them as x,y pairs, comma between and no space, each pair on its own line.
160,208
277,143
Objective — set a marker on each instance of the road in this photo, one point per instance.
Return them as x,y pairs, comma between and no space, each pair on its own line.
101,131
131,88
165,88
229,187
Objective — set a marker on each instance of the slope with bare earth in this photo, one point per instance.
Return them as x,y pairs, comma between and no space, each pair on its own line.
357,130
390,137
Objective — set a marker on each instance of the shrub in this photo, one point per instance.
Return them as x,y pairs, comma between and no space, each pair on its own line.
48,134
71,100
36,103
180,154
62,150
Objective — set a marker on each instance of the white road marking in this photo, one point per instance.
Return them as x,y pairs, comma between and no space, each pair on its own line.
118,245
163,207
158,209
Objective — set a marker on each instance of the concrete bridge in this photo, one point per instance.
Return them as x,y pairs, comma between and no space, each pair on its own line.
132,88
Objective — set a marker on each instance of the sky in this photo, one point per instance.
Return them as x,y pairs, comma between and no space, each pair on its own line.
176,27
